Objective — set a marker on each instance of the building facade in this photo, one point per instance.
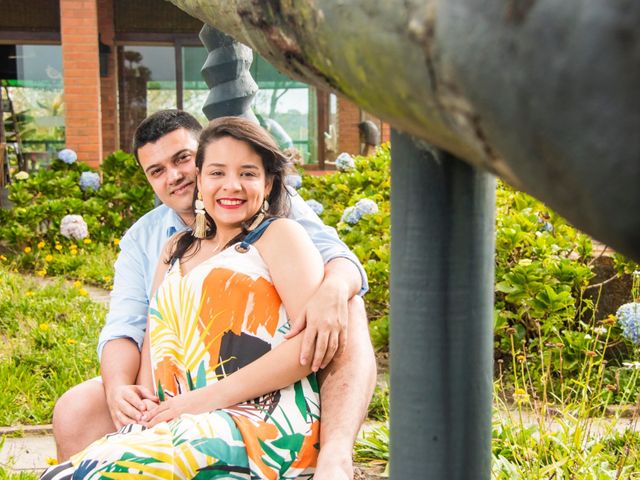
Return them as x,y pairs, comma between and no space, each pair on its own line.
82,74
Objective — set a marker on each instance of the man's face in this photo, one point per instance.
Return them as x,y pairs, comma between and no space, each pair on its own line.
170,167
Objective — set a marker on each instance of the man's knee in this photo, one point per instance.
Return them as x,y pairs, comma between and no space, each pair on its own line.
77,406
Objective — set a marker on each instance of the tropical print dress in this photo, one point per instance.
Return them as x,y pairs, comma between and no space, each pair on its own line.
204,325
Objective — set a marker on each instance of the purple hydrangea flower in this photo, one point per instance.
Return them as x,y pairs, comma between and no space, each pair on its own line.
366,206
74,227
315,206
89,180
68,156
293,180
629,319
344,162
351,215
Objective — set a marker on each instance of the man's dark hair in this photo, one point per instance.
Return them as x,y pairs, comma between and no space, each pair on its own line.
157,125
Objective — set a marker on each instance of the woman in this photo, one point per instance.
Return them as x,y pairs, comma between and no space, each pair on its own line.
220,310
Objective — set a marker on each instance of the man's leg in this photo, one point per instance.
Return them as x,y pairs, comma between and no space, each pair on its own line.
346,387
80,417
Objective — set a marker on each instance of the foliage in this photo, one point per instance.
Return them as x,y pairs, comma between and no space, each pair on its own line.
30,231
49,333
542,315
369,237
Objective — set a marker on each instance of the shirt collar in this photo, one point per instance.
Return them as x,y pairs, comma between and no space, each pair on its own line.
174,223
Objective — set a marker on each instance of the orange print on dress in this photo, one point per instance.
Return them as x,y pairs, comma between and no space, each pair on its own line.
252,433
232,298
308,454
169,374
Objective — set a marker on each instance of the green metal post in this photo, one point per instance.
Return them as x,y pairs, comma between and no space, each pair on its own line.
442,218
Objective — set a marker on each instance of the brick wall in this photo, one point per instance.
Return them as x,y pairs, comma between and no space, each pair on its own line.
79,35
348,134
109,84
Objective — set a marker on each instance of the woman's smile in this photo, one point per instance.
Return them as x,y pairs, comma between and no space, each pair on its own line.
230,202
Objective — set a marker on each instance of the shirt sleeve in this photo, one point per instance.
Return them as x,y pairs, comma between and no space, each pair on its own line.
324,237
128,308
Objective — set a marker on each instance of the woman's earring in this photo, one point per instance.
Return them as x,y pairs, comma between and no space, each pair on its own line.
260,217
201,221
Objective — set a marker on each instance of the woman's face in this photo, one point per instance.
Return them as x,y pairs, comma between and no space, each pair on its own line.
233,182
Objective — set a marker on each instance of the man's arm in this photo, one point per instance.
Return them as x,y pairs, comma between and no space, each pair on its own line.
122,335
325,317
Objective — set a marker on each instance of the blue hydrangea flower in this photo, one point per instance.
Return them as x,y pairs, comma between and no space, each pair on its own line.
89,180
366,206
293,180
68,156
315,206
351,215
629,319
344,162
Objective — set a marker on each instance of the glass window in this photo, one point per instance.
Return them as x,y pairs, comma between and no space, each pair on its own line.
286,107
195,90
148,84
32,87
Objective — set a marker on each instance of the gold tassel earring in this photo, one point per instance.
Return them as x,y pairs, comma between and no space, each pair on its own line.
201,221
260,217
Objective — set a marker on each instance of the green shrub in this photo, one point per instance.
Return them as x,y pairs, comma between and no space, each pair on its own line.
370,237
30,230
42,200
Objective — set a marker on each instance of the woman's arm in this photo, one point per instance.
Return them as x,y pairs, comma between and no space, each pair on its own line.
296,270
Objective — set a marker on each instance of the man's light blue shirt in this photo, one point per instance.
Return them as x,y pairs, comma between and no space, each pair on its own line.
140,250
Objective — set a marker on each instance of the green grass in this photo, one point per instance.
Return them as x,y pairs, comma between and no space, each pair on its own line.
5,475
49,336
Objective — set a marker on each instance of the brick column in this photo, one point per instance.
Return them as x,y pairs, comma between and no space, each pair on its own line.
109,84
80,61
348,134
385,134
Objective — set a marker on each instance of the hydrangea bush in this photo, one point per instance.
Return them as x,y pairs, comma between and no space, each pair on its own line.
68,187
356,202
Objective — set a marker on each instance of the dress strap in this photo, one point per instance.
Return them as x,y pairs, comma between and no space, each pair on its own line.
254,235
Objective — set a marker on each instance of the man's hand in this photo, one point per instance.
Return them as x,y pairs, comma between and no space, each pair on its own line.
324,321
127,403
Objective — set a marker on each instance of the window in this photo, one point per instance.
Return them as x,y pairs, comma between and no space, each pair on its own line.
147,84
150,81
33,103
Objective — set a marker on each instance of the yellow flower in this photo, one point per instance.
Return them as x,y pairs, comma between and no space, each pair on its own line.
58,247
83,292
44,327
42,272
48,258
86,241
27,249
3,258
74,251
41,244
521,358
51,461
71,341
29,293
77,284
116,241
520,395
107,279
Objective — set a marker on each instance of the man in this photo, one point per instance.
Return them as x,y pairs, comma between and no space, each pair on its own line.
165,146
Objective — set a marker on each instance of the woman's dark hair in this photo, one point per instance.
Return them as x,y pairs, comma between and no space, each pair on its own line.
275,164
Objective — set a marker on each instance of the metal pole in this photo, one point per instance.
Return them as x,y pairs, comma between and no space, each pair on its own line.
442,218
226,72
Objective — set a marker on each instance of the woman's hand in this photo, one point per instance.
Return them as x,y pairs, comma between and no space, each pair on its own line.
193,402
